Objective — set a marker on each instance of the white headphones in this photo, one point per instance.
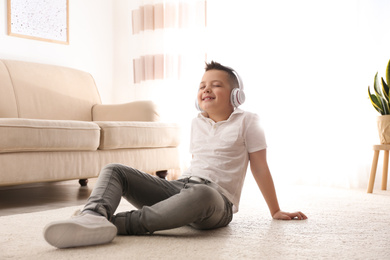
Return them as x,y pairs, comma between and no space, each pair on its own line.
237,96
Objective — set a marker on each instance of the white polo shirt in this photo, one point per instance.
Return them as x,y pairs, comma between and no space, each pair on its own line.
221,150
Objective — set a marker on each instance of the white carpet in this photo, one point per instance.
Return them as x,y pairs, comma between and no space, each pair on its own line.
342,224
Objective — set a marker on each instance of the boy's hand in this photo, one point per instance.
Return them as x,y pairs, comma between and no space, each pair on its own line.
289,216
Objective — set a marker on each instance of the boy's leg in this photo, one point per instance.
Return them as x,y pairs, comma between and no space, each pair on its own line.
198,205
114,180
117,180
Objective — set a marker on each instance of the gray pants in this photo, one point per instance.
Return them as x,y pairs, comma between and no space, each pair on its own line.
161,204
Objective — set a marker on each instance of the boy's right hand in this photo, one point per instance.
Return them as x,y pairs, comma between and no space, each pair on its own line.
281,215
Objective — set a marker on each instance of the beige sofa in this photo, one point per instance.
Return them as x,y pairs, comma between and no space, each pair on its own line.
53,127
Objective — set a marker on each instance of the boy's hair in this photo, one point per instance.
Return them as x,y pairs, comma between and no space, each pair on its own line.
217,66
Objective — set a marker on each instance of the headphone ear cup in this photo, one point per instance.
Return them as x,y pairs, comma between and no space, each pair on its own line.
197,105
241,97
237,97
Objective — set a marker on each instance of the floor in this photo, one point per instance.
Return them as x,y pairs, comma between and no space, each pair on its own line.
43,196
342,224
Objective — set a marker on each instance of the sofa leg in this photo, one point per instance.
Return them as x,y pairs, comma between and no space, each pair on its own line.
83,182
162,174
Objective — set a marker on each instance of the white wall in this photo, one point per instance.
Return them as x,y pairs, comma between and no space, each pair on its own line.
90,48
123,60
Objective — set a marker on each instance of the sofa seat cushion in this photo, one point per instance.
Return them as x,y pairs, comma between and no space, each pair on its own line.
125,134
21,135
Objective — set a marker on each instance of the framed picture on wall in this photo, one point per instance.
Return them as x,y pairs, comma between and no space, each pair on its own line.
45,20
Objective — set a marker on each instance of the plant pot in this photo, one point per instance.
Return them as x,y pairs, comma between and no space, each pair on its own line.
383,123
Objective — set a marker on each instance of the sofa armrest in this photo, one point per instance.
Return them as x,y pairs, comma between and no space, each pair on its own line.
133,111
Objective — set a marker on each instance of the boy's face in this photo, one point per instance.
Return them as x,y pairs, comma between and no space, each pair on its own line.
214,92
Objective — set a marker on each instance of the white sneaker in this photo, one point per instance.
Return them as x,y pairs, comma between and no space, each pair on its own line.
81,230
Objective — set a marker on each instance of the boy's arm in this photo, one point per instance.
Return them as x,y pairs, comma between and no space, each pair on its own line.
262,175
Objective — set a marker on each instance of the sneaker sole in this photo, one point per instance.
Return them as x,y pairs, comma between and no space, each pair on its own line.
69,234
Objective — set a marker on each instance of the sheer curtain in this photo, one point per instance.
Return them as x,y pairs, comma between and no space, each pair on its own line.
169,57
166,33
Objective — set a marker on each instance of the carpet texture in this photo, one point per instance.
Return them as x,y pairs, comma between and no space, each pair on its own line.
342,224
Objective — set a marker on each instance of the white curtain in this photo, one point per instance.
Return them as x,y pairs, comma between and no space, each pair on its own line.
169,57
166,33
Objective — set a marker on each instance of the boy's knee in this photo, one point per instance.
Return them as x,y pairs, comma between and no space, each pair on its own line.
112,166
115,167
118,171
112,169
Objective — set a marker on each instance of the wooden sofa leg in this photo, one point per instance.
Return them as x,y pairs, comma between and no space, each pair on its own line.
83,182
162,174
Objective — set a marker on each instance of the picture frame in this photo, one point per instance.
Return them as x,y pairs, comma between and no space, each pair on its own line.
44,20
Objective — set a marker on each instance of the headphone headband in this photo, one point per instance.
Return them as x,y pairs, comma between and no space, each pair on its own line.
239,80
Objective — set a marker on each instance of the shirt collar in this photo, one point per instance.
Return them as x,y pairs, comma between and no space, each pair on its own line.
235,112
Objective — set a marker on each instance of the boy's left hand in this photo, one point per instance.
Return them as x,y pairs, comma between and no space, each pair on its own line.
281,215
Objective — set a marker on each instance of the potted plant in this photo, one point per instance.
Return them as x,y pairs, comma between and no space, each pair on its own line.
381,102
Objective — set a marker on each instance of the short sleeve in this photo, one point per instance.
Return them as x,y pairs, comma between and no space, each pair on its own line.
254,134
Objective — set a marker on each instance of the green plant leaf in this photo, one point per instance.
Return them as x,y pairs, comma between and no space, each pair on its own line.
377,88
385,90
385,104
380,96
377,104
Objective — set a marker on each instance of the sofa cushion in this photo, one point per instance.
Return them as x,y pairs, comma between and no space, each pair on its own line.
8,106
21,135
44,91
119,135
141,110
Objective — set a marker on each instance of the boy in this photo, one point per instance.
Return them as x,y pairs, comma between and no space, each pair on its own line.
223,140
